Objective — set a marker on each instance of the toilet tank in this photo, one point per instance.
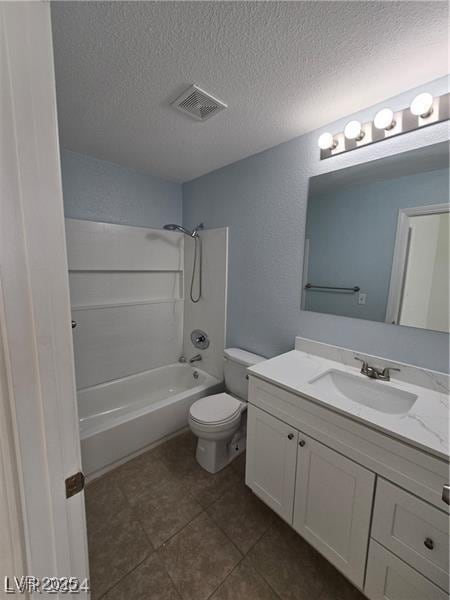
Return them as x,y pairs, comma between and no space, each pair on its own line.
235,370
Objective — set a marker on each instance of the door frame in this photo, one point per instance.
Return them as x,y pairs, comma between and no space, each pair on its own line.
400,257
36,329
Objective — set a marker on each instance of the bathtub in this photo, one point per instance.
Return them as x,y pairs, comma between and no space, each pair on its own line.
118,418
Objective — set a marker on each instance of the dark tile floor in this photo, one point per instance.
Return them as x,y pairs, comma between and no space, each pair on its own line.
162,528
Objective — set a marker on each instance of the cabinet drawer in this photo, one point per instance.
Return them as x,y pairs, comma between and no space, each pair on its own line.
389,578
414,530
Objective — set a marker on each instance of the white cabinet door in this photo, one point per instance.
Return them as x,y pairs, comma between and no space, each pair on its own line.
389,578
271,460
333,503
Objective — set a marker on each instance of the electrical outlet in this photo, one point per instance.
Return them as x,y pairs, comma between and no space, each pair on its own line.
362,297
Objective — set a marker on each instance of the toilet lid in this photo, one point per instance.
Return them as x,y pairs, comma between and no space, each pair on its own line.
215,409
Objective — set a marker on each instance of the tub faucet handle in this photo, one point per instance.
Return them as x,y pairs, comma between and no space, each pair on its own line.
182,359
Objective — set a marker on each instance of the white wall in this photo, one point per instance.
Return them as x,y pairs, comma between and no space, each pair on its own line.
209,313
127,299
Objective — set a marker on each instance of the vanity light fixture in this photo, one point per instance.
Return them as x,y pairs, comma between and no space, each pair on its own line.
384,119
422,105
424,110
326,141
353,131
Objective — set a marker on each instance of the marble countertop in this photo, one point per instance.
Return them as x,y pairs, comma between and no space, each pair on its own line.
425,426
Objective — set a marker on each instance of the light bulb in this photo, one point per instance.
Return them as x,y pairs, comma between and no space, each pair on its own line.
384,119
422,105
326,141
353,131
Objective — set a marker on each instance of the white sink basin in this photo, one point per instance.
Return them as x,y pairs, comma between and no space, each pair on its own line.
378,395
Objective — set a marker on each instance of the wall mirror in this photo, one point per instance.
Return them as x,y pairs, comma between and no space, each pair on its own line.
377,240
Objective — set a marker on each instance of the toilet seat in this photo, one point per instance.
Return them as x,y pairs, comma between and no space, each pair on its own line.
219,409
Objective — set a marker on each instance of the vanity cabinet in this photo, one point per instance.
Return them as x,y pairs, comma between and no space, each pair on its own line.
326,497
271,460
369,504
333,506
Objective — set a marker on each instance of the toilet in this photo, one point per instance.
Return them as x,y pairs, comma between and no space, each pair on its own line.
219,421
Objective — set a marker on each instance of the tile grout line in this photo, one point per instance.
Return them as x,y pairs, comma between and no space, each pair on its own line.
243,555
223,582
204,511
152,549
175,587
225,534
255,566
125,575
175,534
179,530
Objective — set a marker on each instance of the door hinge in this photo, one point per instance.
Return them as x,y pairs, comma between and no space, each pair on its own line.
74,484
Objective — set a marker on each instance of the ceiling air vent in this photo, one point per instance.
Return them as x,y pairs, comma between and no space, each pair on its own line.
198,104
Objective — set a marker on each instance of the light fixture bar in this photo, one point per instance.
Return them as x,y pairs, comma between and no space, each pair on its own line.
422,112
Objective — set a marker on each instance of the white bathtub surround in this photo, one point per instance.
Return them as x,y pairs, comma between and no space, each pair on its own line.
209,314
96,246
126,297
425,426
123,416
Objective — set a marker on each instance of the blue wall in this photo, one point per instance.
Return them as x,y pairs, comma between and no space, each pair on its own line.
96,190
359,225
263,200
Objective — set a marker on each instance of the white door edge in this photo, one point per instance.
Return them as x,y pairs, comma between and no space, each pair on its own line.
33,266
400,255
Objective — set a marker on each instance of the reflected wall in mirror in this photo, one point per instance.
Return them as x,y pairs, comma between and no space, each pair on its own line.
377,241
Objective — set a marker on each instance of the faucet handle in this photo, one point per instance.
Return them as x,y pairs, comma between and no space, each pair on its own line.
364,363
365,369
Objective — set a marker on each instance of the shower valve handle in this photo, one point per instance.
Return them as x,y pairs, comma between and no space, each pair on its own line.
200,339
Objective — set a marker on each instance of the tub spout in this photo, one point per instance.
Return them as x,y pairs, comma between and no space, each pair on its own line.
195,358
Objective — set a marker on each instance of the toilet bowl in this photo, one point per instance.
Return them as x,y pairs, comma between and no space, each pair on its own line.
219,421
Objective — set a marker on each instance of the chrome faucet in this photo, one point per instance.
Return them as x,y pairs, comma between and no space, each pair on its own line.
373,372
195,358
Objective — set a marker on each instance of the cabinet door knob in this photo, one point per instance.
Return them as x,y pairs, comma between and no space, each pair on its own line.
291,436
302,443
446,494
428,543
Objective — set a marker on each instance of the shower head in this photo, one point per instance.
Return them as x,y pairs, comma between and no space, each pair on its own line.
175,227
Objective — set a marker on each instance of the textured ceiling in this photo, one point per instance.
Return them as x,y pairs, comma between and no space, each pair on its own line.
283,68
